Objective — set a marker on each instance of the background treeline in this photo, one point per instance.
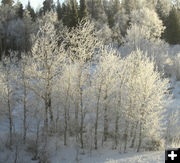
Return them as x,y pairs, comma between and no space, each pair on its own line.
111,17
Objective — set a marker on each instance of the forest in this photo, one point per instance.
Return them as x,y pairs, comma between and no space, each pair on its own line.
80,77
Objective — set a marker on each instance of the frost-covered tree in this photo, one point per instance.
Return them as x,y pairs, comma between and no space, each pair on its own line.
146,36
63,94
81,44
119,98
22,80
82,41
146,18
47,57
109,85
138,38
103,90
146,95
7,91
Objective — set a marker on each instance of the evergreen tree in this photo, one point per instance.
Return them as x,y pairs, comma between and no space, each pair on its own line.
48,5
74,13
65,10
83,9
59,10
70,13
160,9
19,10
163,9
7,2
31,11
28,28
173,27
96,10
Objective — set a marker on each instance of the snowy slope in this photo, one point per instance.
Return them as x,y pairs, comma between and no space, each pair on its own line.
67,155
150,157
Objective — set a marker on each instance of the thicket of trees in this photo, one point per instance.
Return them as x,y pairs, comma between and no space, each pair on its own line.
80,88
58,73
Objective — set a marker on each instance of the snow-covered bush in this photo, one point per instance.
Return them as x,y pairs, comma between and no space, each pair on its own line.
120,26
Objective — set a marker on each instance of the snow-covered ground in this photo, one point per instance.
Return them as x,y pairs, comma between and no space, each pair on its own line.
68,155
109,156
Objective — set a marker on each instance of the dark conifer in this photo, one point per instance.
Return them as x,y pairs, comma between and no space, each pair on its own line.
173,27
48,5
83,9
59,11
20,10
31,11
74,13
